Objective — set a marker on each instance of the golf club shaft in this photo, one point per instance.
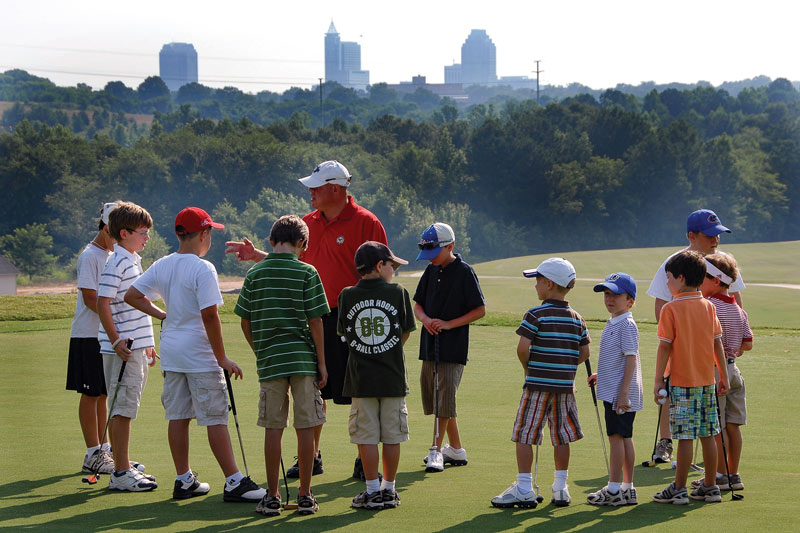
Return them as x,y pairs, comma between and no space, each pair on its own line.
436,387
734,496
96,466
236,419
597,413
285,483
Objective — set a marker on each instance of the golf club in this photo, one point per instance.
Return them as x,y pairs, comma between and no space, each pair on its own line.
734,496
597,412
236,420
652,461
539,497
92,478
694,466
435,446
286,505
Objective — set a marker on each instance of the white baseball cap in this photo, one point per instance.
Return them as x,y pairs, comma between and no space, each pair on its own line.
328,172
107,208
556,269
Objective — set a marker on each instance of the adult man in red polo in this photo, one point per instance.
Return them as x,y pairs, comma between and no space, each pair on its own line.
337,227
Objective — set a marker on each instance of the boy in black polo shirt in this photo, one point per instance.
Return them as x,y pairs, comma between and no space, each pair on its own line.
447,299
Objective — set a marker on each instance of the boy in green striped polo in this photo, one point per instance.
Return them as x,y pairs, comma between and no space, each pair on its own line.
281,305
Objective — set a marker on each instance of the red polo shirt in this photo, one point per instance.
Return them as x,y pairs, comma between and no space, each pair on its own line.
332,245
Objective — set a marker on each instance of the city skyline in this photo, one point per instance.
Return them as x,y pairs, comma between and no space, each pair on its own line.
256,46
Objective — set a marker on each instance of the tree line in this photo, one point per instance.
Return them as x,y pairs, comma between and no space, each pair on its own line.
512,179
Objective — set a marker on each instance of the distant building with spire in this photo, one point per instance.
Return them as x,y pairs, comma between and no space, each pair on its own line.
343,61
177,64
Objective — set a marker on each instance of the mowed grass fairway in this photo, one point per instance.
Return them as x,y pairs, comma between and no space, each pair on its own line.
42,447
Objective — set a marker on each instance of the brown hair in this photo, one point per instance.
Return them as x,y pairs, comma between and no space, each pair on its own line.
289,229
129,216
690,265
726,263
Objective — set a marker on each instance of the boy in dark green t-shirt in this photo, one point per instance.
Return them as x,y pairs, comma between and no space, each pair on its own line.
281,305
375,319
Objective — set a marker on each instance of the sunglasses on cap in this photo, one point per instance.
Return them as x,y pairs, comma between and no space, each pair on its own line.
430,245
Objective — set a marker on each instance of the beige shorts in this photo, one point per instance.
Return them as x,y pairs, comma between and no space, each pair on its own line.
449,380
201,395
273,403
133,381
374,420
733,405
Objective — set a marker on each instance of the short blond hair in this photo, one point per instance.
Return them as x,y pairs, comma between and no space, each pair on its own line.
129,216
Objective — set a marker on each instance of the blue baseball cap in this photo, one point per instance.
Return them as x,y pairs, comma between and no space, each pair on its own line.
618,283
705,221
433,239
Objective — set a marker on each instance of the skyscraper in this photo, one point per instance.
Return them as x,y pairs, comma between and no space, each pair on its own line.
177,65
343,61
478,59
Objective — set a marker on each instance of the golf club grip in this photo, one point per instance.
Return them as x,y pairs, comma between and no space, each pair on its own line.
129,343
230,391
591,387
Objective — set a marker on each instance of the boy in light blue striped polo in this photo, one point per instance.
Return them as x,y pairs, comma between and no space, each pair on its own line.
619,386
281,306
553,341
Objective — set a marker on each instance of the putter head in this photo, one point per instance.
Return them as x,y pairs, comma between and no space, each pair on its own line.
737,497
648,464
290,506
91,480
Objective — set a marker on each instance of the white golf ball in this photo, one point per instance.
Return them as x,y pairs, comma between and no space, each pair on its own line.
140,467
663,394
620,411
674,464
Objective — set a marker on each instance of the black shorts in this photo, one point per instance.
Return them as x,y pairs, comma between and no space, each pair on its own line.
621,425
85,367
336,353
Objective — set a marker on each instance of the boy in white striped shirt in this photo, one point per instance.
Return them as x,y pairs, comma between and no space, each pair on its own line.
619,386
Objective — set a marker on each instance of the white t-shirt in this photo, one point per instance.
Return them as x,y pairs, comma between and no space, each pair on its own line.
91,263
187,284
121,270
659,289
619,341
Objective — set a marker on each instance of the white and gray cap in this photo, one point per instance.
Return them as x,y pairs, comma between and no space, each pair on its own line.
331,172
556,269
107,208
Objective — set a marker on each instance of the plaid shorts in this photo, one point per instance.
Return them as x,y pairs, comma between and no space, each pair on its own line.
693,412
560,411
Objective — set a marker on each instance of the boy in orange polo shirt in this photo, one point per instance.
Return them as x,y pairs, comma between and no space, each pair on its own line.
690,338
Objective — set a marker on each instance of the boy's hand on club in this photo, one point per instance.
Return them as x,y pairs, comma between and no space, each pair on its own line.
123,352
244,251
592,380
436,325
322,376
723,386
232,368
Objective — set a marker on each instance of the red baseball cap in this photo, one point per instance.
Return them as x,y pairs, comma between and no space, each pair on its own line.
194,219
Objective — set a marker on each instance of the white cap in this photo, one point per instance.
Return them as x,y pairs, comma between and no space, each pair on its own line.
328,172
107,208
556,269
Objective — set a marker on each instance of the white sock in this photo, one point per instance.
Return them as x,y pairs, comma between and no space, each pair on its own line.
524,482
90,451
560,481
373,485
387,484
613,487
234,479
627,486
106,446
185,478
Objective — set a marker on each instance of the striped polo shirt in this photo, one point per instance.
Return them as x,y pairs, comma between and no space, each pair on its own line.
620,340
121,270
734,322
280,294
556,332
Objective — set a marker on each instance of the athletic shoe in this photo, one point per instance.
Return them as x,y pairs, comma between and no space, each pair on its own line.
269,505
434,462
630,496
709,494
603,497
131,480
390,498
663,451
512,496
672,495
294,470
101,460
307,504
561,497
245,491
365,500
182,490
454,457
734,481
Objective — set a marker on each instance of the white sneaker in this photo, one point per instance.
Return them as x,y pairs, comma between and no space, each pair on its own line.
561,497
512,496
132,480
246,491
434,462
454,457
193,488
100,460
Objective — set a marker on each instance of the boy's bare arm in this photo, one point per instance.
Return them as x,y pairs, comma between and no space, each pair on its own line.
524,351
318,336
745,347
89,298
107,320
404,337
722,365
471,316
423,317
583,353
213,328
630,369
247,329
738,297
139,301
662,356
659,304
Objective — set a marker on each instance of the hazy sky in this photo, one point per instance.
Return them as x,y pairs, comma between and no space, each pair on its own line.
257,45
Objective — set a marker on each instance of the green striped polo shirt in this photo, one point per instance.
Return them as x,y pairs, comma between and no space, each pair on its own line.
280,294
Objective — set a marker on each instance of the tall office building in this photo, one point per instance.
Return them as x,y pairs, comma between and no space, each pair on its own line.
177,64
343,61
478,59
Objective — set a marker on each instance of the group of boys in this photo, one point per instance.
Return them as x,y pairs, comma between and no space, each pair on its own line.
350,349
